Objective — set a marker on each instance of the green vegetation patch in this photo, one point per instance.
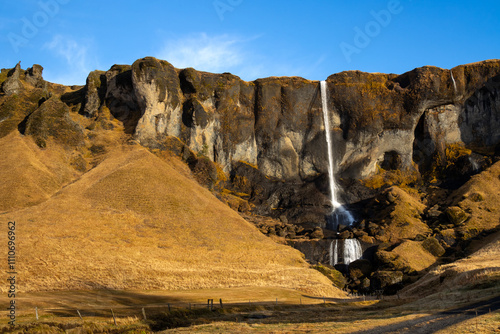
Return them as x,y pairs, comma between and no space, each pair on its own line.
333,275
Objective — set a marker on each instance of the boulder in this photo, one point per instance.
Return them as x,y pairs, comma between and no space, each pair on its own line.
456,215
385,279
449,236
434,212
317,233
52,120
345,234
433,246
333,275
360,268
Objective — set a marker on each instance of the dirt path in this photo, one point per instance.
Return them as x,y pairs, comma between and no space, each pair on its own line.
438,321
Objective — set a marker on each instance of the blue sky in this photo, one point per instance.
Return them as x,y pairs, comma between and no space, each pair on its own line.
249,38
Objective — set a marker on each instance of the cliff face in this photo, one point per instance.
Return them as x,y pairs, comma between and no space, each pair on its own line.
268,135
396,122
277,123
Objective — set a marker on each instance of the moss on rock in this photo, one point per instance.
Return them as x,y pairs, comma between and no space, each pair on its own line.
456,215
52,119
333,275
384,279
433,246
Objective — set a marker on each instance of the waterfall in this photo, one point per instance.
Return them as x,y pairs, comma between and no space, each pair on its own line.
454,83
334,256
339,214
475,165
352,250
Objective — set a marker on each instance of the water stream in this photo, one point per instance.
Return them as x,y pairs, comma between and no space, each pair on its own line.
454,83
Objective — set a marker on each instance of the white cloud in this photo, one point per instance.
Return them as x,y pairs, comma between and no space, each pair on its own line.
77,63
227,53
222,53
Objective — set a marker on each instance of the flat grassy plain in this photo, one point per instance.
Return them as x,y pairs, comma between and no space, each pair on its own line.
314,315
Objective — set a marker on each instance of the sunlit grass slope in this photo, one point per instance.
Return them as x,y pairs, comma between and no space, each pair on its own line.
136,221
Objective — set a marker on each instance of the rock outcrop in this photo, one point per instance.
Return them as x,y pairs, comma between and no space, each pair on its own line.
12,85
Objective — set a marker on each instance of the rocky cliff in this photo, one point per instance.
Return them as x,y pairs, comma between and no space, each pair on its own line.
275,125
267,136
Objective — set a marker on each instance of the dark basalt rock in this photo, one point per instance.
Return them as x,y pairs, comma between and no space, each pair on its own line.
34,76
52,119
432,246
194,114
12,85
388,281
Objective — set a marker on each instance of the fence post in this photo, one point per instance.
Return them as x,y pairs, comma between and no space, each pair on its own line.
168,304
113,314
79,314
476,320
36,312
220,300
144,313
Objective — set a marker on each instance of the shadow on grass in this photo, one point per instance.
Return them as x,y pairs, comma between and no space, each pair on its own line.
439,321
164,312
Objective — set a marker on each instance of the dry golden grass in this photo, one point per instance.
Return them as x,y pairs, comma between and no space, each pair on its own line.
134,300
481,268
414,255
488,323
480,196
135,222
403,217
483,324
28,175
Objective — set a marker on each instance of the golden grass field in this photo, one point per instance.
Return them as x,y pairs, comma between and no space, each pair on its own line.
134,222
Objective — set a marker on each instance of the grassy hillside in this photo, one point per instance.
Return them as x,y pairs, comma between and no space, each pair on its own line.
29,175
136,221
479,271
